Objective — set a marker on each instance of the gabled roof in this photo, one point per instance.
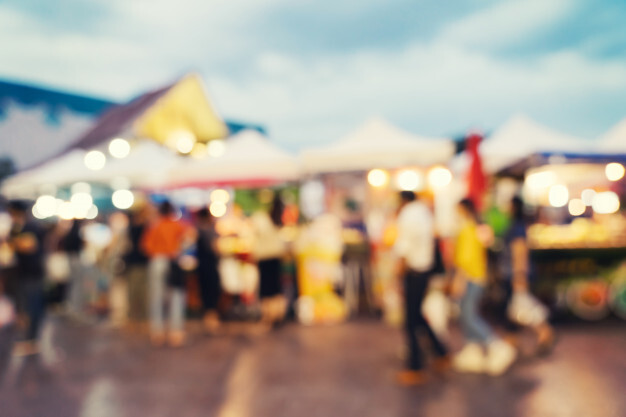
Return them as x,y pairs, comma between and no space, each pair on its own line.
118,119
155,115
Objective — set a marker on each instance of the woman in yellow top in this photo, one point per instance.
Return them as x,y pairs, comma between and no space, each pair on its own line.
470,260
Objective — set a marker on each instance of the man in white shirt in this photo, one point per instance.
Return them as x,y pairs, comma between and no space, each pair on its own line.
415,248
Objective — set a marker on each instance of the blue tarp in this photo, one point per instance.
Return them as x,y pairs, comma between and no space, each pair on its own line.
53,101
27,95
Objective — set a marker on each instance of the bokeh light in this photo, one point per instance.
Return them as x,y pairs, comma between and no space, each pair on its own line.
409,180
378,178
439,177
540,180
65,210
587,196
82,201
217,209
95,160
558,195
45,206
119,148
185,141
216,148
576,207
606,202
37,214
614,171
220,195
92,213
123,199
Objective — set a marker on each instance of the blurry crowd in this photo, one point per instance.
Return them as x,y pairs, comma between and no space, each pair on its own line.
463,274
136,271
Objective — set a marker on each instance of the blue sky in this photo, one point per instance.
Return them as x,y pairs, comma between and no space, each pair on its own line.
311,71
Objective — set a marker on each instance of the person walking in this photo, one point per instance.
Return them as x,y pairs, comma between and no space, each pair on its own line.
470,259
208,275
516,268
136,268
268,250
26,239
164,242
415,248
77,296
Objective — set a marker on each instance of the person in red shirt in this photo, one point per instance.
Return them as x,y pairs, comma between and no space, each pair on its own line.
164,242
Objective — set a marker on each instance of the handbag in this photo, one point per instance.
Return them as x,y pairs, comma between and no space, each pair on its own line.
58,267
526,310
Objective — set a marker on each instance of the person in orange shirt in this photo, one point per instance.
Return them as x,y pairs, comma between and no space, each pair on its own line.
164,242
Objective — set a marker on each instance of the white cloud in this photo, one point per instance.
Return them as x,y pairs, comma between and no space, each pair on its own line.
144,45
93,64
505,23
433,88
439,88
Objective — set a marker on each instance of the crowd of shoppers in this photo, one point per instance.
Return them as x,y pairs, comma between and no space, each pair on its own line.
159,247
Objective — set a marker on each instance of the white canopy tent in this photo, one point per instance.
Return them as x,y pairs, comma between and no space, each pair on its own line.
376,144
614,141
521,137
249,157
56,172
146,166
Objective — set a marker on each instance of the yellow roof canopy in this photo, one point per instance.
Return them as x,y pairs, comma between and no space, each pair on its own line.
185,107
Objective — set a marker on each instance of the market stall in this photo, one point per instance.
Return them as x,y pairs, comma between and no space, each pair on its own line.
356,179
578,239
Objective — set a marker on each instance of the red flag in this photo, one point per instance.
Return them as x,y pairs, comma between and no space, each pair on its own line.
476,179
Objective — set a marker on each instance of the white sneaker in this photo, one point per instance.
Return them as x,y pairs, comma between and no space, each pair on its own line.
470,359
500,356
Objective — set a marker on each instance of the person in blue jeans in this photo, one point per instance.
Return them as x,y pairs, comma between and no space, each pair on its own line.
469,283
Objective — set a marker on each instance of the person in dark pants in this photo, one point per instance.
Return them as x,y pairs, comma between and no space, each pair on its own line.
208,275
76,298
7,330
268,250
136,262
26,239
415,247
516,267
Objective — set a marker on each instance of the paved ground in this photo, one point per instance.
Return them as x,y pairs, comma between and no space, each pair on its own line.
344,370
